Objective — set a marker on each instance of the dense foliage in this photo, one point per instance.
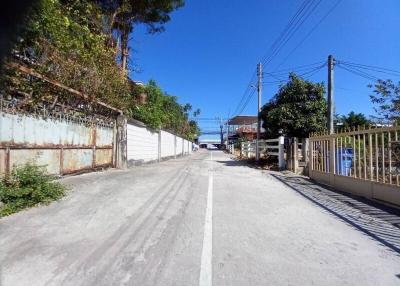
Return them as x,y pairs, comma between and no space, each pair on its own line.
386,98
64,41
352,120
297,109
74,43
163,111
27,186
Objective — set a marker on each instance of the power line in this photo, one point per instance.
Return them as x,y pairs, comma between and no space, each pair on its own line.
247,90
298,68
310,32
295,28
293,23
309,74
296,21
358,72
248,100
288,26
371,68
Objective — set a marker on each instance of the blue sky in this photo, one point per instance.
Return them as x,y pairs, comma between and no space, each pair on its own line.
210,49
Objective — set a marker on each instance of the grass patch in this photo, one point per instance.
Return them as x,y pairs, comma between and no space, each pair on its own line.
28,186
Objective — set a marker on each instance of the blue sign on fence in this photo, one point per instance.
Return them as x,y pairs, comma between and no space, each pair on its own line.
344,161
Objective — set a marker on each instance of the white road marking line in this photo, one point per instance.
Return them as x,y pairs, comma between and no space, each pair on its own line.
206,254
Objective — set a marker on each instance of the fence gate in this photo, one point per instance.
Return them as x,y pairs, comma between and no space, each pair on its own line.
269,147
363,162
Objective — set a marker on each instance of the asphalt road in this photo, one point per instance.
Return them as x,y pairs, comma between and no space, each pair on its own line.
200,220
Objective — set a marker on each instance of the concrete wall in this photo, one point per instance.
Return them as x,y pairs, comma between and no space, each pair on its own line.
186,146
167,144
147,145
179,146
365,188
142,144
63,145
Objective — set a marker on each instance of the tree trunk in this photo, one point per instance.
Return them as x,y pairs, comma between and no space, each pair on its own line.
124,52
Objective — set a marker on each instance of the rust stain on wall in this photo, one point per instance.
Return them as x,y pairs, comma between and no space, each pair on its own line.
32,139
103,157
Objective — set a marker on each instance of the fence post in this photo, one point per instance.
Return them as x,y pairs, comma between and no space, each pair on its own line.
305,152
281,150
121,161
295,159
310,158
332,160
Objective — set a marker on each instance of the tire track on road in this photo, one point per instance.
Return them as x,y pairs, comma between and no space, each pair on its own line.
105,251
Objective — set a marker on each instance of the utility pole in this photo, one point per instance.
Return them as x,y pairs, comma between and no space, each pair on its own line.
227,133
221,133
259,90
331,103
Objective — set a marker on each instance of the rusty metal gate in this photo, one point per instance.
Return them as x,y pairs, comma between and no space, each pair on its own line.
64,144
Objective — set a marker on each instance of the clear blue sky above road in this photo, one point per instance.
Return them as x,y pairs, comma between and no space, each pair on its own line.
210,49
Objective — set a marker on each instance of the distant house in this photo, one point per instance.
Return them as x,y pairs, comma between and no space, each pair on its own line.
243,126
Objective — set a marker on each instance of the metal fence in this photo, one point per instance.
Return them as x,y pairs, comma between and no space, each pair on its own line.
369,157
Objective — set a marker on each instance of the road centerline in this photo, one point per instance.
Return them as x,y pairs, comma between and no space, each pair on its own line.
206,255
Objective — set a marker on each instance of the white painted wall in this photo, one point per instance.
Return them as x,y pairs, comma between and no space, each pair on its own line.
186,146
142,144
179,146
167,144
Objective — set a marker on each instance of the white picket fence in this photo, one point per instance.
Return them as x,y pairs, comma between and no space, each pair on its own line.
269,147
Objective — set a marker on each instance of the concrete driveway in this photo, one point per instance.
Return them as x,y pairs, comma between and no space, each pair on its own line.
202,220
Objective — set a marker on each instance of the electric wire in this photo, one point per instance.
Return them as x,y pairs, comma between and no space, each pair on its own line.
302,16
247,101
245,94
357,72
299,23
287,28
370,68
310,32
291,34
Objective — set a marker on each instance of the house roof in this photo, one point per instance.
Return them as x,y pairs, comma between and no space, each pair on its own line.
242,120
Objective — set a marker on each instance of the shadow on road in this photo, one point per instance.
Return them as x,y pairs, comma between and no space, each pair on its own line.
263,164
377,221
233,163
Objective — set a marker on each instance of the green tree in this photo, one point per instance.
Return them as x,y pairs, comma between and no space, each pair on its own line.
125,14
386,99
64,40
297,109
163,111
353,120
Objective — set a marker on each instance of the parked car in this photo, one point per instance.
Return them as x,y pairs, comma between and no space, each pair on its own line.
212,147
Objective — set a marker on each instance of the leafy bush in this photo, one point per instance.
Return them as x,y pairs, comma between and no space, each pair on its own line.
161,110
27,186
